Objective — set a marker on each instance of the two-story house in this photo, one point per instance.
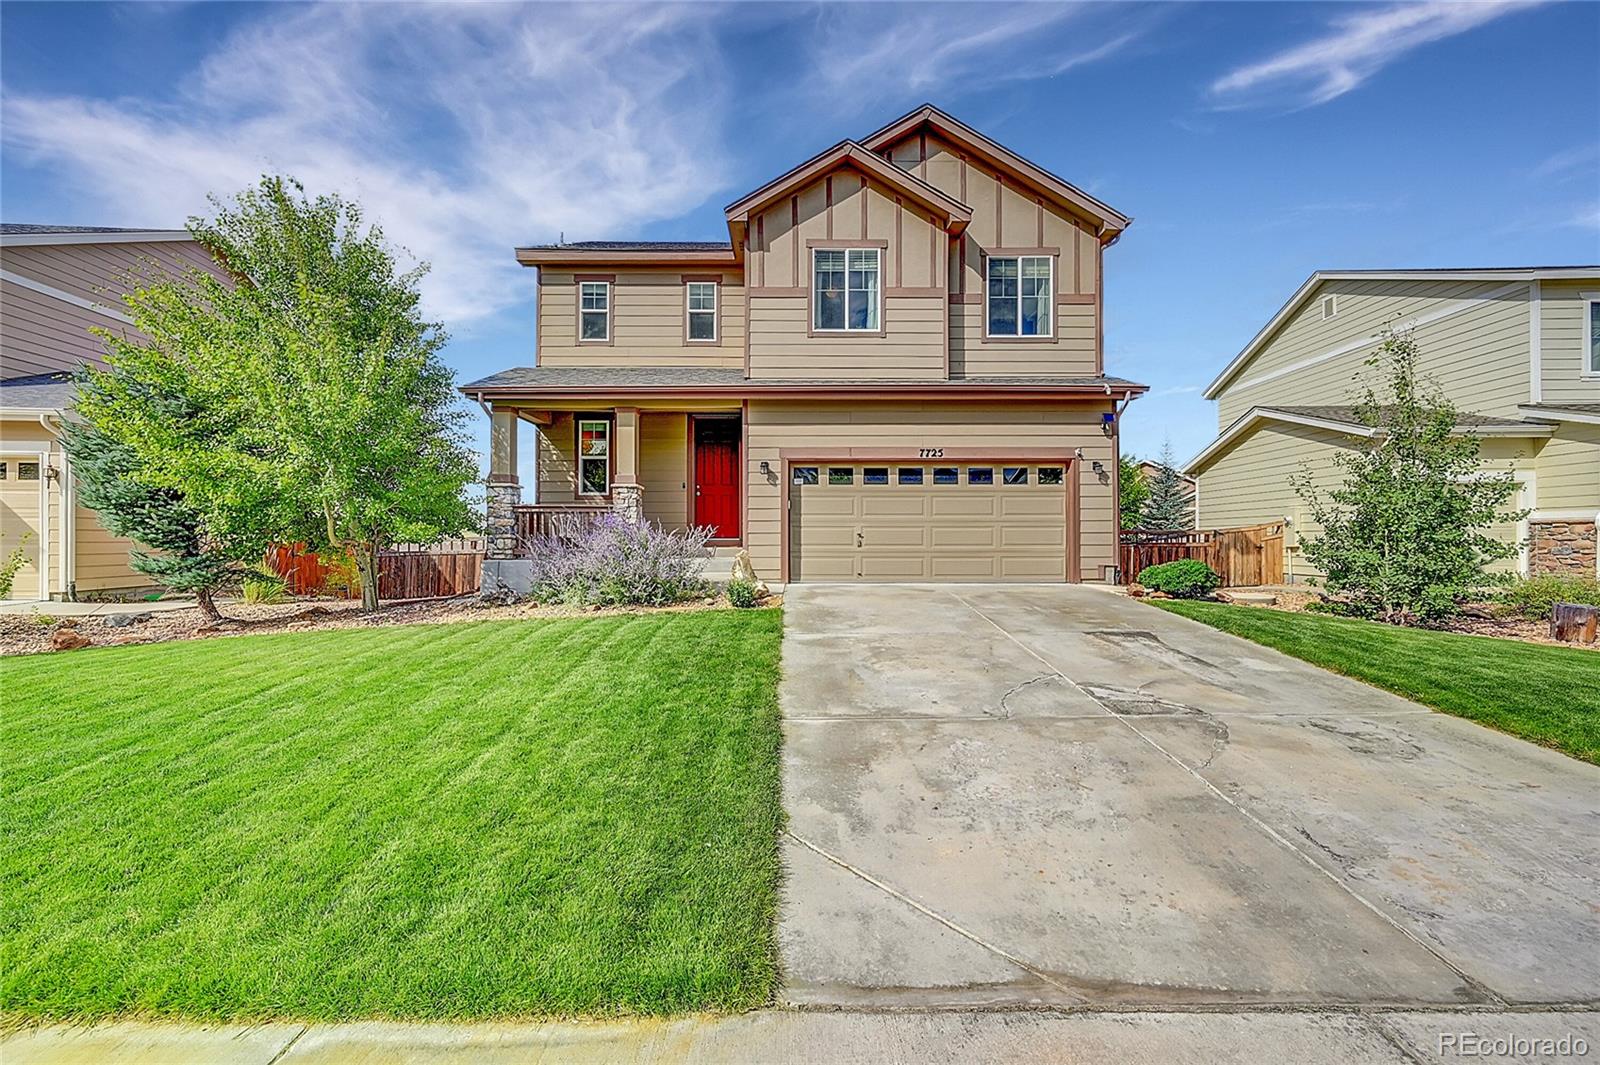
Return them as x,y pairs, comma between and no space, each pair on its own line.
56,283
892,370
1516,350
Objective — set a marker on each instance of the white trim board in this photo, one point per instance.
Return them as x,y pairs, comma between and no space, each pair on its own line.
64,296
1552,414
1455,307
1535,344
140,236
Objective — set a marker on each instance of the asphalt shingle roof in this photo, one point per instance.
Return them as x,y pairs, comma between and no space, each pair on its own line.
1347,415
44,391
634,245
600,377
20,228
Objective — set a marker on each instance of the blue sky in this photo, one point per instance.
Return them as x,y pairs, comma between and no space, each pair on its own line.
1252,143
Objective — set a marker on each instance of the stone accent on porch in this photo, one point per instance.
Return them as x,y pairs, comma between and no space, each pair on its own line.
627,500
1564,547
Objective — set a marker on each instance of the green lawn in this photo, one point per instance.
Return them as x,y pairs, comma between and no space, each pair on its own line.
468,820
1550,695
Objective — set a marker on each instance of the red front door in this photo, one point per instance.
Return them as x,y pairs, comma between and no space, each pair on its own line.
716,475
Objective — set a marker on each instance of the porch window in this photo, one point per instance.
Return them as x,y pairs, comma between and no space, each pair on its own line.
594,310
845,289
1020,295
702,300
594,458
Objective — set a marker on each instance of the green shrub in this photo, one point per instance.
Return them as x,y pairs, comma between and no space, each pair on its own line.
1534,596
11,564
1188,578
743,594
264,589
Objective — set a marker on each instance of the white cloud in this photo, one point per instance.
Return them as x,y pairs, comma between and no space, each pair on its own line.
1580,161
463,130
1356,47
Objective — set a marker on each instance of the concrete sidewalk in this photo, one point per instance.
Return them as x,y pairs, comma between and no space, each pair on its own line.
61,609
804,1038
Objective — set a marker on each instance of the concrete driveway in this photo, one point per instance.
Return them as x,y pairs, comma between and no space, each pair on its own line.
1056,796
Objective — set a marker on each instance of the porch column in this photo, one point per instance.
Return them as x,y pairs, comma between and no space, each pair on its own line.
627,495
504,489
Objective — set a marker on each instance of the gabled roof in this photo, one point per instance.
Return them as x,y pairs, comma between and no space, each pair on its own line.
1058,190
1303,294
1588,413
40,393
952,214
21,234
1344,418
628,251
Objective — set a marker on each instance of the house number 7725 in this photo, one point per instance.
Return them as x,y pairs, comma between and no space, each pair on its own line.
930,453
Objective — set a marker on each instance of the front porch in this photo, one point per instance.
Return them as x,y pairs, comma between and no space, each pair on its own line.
676,467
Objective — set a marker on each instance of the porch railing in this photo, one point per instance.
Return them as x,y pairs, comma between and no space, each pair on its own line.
564,521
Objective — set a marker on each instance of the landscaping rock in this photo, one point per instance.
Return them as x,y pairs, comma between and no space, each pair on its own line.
1159,595
1137,591
68,639
124,621
742,570
67,623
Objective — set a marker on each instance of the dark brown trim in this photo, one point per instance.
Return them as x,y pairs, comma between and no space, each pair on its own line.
578,258
796,291
926,292
744,472
1054,254
558,397
1099,309
967,297
1039,220
845,335
794,237
610,279
1008,252
691,516
863,205
1064,299
899,242
845,243
827,186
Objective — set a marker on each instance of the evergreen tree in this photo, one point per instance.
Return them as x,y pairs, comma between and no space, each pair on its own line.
1170,506
177,555
1132,490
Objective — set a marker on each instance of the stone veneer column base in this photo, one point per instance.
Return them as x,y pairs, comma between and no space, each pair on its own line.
1564,547
501,528
628,502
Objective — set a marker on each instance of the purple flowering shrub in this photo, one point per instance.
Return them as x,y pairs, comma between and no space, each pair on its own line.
614,562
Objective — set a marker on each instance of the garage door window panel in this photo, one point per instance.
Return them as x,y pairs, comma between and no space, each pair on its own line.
803,475
910,474
1014,475
841,475
875,475
1051,475
980,475
946,475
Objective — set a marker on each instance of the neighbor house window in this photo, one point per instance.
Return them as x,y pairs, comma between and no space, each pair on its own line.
594,313
1020,295
594,458
1594,335
702,297
845,290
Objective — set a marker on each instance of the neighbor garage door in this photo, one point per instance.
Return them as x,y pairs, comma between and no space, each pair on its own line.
22,502
927,523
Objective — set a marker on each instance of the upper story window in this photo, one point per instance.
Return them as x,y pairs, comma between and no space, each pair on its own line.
845,289
594,310
701,297
1020,297
1593,365
594,457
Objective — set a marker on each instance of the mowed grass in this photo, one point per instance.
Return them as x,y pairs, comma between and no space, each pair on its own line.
451,821
1543,693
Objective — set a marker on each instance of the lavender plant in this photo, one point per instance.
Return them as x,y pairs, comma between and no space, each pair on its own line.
616,562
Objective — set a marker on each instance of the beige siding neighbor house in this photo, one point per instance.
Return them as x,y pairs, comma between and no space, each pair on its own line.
1516,350
56,282
891,371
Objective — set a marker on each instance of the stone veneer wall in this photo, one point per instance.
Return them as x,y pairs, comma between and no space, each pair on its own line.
501,528
1566,547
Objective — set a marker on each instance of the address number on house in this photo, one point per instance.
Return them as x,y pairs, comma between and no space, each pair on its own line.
930,453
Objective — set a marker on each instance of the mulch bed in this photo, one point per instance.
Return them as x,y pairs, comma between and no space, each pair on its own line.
1478,619
22,634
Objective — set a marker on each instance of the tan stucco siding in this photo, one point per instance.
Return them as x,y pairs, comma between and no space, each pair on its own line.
1564,342
648,308
774,426
1569,469
43,333
910,349
664,467
1478,355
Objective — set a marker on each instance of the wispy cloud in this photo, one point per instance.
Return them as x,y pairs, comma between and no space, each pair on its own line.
463,129
1355,48
1582,160
878,49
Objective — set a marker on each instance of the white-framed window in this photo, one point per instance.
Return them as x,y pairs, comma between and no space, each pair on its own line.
845,292
1591,362
594,457
1330,307
701,299
594,310
1020,295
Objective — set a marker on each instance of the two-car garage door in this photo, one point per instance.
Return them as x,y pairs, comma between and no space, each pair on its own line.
972,522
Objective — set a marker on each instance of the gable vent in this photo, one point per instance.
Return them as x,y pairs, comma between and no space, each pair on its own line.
1330,307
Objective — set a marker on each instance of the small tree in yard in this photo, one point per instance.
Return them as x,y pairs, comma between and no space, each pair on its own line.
322,411
1132,491
108,476
1405,536
1168,506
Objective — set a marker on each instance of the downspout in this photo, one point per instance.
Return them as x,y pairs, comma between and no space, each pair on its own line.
68,564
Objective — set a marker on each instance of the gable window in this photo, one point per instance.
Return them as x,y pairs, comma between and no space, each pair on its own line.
702,303
594,458
845,289
1593,364
1330,307
1020,295
594,310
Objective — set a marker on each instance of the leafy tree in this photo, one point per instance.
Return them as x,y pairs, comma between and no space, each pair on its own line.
321,409
1132,491
107,471
1404,537
1169,506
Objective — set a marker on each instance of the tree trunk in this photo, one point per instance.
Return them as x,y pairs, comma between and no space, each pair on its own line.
367,563
208,607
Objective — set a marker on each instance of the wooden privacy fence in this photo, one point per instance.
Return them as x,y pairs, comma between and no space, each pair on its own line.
1243,557
412,572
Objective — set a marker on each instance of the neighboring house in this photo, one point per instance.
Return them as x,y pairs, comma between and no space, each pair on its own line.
56,282
891,371
1516,350
1185,486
